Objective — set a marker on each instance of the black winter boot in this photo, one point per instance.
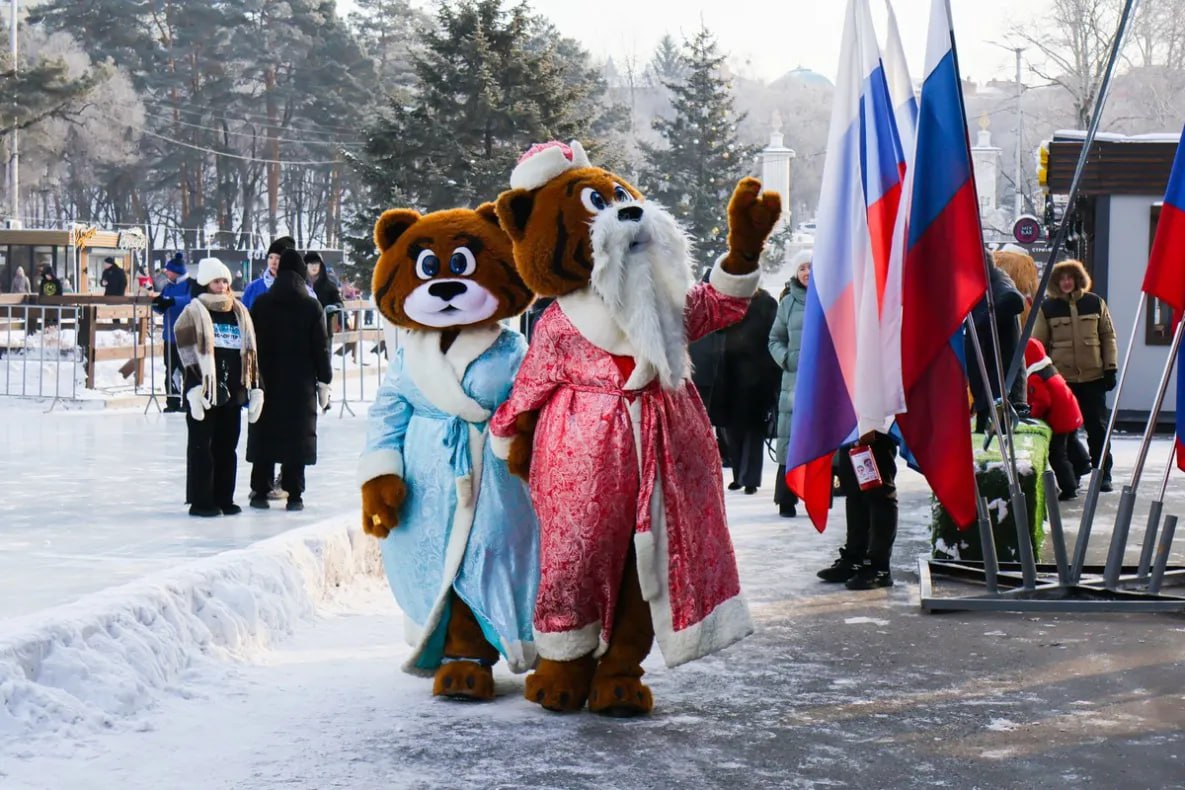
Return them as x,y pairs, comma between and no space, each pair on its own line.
869,578
841,570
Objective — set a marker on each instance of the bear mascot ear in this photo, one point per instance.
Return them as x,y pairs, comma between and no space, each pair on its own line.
391,225
489,212
514,210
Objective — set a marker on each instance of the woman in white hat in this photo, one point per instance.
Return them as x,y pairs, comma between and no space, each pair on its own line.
216,342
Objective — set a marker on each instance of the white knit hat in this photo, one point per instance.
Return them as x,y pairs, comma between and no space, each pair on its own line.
211,269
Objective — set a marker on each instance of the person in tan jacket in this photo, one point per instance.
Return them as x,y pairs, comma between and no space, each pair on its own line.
1076,327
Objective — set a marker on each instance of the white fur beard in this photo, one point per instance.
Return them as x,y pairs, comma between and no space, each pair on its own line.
645,288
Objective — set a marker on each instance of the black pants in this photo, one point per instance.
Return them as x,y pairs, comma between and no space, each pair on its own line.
211,458
783,496
746,454
264,474
1092,399
174,376
1060,463
871,515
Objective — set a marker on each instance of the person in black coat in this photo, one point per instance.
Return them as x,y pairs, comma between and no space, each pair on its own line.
746,390
1010,303
294,366
328,294
114,281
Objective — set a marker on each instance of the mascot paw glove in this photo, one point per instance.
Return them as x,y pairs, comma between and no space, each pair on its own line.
752,215
197,404
254,404
322,395
382,497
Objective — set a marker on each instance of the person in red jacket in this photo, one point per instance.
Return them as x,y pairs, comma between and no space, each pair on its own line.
1051,400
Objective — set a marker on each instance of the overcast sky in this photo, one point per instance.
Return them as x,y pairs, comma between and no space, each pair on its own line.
774,36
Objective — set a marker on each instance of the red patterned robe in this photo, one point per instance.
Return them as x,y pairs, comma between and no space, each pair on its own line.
617,457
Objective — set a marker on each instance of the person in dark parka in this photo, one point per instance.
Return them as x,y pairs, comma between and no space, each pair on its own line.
114,280
746,392
327,293
1010,303
294,366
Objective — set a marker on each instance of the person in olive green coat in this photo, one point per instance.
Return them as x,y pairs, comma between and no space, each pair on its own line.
1076,328
785,340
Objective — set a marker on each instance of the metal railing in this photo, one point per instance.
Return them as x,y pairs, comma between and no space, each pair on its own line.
41,354
358,353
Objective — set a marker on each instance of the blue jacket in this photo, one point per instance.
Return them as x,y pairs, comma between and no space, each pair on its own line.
180,294
261,285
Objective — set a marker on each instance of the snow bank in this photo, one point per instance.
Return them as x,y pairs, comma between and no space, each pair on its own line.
77,668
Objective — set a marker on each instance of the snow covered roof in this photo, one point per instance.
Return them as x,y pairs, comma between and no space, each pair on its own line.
1155,137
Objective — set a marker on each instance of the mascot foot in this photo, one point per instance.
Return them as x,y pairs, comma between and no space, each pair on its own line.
465,680
620,696
560,686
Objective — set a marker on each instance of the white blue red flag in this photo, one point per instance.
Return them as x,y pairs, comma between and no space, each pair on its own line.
849,372
1165,277
942,279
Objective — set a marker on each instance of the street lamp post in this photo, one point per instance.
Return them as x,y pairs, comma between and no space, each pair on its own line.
1019,196
15,167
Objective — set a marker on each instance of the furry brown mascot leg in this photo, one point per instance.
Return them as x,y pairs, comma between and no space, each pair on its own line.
561,686
469,676
616,688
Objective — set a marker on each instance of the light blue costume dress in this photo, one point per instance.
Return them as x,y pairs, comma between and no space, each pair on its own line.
467,524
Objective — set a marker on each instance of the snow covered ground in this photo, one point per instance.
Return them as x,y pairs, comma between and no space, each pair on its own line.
276,664
91,499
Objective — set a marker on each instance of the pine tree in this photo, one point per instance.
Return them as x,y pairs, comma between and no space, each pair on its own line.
693,176
490,80
667,66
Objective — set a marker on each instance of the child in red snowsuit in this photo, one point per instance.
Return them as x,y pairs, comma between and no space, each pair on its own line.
1051,400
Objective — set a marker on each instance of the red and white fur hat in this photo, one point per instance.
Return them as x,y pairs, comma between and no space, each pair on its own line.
544,161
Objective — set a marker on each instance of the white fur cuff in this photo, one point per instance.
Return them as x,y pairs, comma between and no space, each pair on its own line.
742,286
501,445
379,463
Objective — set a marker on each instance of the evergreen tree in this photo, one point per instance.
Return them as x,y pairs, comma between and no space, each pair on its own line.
490,81
694,174
667,66
36,89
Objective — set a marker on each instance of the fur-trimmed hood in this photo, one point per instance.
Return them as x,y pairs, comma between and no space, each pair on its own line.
1082,280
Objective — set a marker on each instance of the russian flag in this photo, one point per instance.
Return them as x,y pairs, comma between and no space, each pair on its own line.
942,279
849,379
1165,277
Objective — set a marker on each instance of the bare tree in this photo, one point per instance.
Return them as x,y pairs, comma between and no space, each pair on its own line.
1075,40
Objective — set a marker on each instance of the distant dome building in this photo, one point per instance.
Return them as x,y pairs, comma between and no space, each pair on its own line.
807,77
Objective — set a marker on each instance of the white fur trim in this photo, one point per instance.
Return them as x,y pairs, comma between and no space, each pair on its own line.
569,645
726,625
379,463
520,656
539,168
438,376
590,315
454,553
501,445
1043,362
742,286
1014,248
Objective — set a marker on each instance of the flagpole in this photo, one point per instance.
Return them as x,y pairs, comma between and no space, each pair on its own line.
1063,228
1019,513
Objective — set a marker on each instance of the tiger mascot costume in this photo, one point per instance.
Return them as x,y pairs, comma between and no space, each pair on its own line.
459,537
622,463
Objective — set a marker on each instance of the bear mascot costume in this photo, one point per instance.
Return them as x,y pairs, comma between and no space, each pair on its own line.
605,425
459,537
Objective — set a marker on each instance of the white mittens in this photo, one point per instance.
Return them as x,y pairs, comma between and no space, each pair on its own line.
254,404
197,404
322,395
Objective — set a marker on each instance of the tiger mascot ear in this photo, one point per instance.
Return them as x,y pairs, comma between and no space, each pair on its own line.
391,225
514,211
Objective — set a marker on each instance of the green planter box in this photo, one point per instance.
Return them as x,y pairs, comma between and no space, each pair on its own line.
1032,456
